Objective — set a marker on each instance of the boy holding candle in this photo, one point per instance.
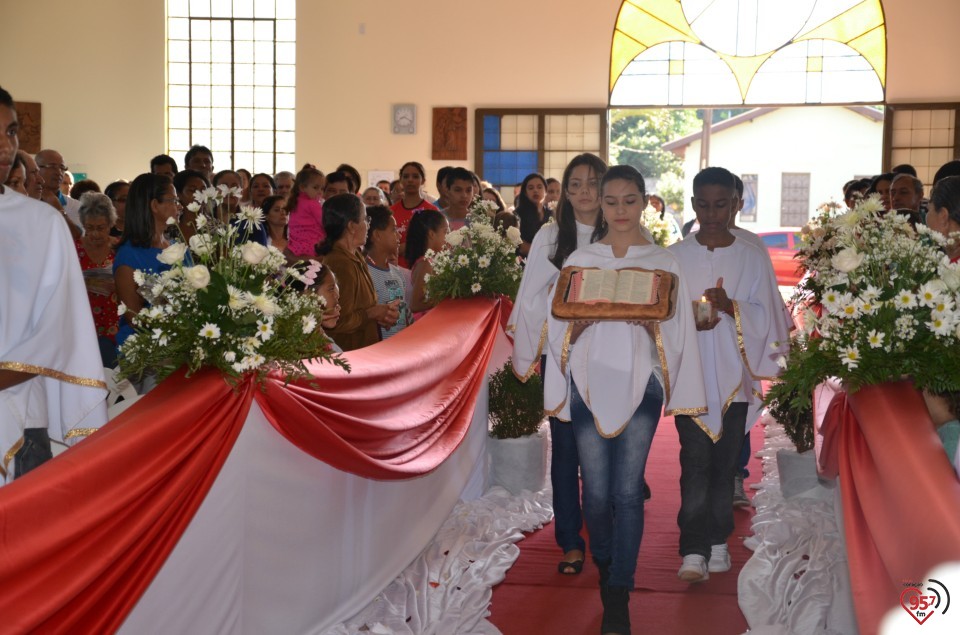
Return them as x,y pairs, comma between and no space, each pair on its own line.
735,336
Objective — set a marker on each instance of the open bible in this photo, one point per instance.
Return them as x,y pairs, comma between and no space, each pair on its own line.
631,294
611,285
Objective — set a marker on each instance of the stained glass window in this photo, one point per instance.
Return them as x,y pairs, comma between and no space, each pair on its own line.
230,81
730,52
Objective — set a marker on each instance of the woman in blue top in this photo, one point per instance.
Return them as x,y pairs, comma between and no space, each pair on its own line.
151,200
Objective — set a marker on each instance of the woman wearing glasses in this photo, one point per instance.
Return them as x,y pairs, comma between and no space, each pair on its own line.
151,201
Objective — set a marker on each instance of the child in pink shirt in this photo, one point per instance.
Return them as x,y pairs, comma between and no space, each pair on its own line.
306,216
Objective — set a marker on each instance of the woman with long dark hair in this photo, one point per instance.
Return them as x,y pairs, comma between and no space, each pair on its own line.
610,379
530,209
151,201
345,227
578,215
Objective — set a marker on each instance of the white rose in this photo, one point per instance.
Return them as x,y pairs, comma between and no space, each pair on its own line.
201,244
197,277
847,260
253,253
173,254
513,235
454,238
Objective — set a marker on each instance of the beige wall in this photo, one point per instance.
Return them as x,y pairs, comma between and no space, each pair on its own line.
108,117
98,70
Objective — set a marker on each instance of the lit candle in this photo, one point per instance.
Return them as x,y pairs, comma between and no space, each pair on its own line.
703,311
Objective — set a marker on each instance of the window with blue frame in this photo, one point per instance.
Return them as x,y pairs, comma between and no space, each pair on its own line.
516,142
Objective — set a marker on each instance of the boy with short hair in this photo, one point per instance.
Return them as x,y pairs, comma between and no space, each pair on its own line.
735,350
459,193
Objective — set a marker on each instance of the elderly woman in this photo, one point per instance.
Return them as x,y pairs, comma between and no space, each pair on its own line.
95,250
943,212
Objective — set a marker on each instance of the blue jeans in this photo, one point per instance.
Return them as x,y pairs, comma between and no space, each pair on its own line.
706,481
612,472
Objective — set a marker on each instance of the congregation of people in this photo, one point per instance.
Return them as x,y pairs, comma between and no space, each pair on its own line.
607,384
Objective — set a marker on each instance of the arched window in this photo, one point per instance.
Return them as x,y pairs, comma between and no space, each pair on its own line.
748,52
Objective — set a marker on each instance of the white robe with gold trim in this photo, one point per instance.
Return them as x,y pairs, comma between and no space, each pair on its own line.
611,362
737,354
528,320
46,328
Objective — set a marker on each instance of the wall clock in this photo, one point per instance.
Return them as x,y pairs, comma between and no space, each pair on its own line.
404,119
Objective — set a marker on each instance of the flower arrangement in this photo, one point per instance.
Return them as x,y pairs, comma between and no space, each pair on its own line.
658,227
516,408
477,261
881,303
230,305
482,211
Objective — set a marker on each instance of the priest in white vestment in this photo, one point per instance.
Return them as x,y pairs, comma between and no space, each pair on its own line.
51,377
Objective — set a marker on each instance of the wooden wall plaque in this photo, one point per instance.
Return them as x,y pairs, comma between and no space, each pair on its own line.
28,114
450,134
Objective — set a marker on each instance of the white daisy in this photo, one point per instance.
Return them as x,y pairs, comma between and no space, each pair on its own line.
850,357
875,339
210,331
265,329
475,287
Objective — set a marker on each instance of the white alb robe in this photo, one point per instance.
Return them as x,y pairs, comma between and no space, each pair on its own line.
611,362
46,328
528,320
737,354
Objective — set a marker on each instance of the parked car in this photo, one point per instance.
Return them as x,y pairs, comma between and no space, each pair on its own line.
782,247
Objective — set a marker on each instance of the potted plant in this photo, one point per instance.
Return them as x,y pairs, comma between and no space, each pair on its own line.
516,447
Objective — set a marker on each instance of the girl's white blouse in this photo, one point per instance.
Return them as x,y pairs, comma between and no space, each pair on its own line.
611,362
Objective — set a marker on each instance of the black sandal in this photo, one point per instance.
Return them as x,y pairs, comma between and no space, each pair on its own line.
570,568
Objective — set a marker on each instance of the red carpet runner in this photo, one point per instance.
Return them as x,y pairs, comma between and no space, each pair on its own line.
535,598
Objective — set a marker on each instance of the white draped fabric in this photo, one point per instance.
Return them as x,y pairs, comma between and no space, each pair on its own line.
797,580
284,543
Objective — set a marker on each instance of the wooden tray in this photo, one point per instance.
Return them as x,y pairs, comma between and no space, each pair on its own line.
616,311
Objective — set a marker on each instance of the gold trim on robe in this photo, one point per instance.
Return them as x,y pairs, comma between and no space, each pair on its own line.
533,367
743,350
9,456
79,432
55,374
663,365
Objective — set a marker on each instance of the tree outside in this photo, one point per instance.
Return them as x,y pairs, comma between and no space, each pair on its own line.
637,138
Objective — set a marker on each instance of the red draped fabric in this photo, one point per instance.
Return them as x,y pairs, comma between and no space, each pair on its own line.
407,403
83,536
901,497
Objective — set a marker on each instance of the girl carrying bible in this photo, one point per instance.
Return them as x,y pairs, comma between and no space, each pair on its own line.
610,379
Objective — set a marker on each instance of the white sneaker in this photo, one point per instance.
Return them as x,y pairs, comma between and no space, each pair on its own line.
719,559
693,569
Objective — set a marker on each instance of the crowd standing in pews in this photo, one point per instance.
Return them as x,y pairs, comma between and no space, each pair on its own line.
368,247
